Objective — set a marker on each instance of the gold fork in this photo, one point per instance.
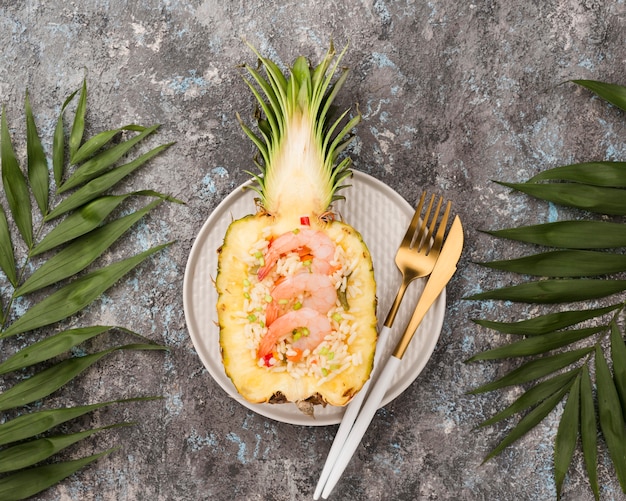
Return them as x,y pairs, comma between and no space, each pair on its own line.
415,258
418,252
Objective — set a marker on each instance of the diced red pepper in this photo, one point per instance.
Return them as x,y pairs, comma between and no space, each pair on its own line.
304,221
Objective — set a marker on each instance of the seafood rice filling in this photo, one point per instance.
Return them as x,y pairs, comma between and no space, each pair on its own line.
297,305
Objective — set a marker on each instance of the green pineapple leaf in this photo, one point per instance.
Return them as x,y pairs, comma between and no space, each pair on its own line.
61,262
559,346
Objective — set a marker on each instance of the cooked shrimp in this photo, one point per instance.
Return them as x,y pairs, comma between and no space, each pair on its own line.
308,327
318,291
319,245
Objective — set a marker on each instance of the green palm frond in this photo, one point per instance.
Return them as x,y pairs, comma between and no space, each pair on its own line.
56,219
563,350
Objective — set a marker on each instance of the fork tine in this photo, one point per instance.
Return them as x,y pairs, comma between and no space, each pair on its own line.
427,238
418,238
438,243
410,232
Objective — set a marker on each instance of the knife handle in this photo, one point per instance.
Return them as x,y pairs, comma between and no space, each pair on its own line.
362,422
349,416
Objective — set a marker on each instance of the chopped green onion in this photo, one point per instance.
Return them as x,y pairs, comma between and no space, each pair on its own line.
343,299
252,317
246,282
297,306
307,262
283,301
259,256
246,295
268,298
324,372
330,355
337,317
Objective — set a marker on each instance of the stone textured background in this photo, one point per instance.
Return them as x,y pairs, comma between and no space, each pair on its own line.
453,94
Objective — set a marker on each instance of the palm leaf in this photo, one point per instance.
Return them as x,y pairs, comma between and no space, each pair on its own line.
58,144
564,263
555,291
549,322
589,430
51,379
528,422
30,453
95,166
534,396
14,184
537,345
618,357
87,218
30,481
566,436
611,417
591,198
607,174
98,186
92,222
569,234
32,424
559,359
83,251
7,257
614,94
76,295
37,163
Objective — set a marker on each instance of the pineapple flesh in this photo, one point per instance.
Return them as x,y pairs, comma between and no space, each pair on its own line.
296,289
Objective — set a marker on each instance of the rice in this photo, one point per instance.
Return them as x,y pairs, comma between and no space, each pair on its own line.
330,357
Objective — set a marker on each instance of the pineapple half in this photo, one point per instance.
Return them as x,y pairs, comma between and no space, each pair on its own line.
299,177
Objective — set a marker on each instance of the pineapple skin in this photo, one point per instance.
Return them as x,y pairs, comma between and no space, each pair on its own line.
257,384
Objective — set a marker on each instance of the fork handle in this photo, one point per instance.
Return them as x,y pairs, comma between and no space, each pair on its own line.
391,316
374,398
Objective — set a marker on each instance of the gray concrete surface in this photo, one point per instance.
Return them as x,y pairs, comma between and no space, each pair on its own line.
453,95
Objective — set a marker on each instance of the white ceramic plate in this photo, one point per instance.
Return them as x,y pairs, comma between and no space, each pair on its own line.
382,216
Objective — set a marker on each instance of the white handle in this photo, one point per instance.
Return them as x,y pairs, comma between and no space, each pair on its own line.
362,423
352,410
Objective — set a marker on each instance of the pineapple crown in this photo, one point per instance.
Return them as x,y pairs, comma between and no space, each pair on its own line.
299,146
